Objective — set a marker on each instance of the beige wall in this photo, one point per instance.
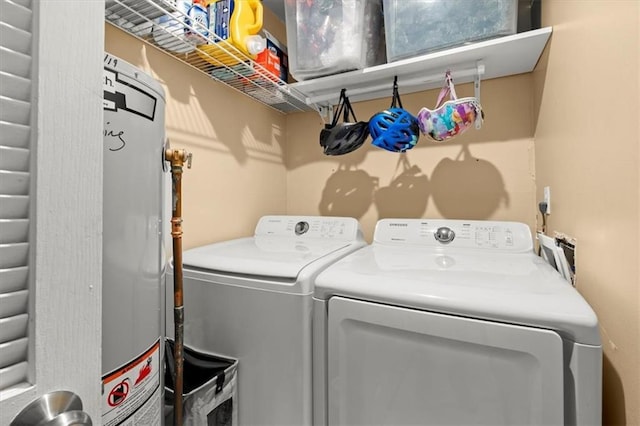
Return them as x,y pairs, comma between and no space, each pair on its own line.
238,171
587,109
483,174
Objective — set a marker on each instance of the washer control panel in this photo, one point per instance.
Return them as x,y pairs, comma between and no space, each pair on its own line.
335,228
479,234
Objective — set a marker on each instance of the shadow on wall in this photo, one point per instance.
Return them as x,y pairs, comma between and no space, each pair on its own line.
613,406
406,195
348,193
467,184
206,114
459,187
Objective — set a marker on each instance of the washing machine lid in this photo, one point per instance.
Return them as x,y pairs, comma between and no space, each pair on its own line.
494,283
281,247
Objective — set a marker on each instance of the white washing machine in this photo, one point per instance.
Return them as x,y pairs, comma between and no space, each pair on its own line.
251,299
449,322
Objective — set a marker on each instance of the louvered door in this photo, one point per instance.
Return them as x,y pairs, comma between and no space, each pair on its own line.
15,166
50,201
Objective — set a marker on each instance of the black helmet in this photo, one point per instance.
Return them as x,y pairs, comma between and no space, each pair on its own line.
343,138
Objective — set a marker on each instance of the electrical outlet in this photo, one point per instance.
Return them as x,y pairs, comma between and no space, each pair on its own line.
547,198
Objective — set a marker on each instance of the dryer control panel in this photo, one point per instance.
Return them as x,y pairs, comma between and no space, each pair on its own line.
444,233
317,227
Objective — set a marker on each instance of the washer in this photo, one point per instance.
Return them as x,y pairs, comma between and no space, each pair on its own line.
453,322
251,299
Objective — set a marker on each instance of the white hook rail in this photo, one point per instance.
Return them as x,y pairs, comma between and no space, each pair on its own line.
409,84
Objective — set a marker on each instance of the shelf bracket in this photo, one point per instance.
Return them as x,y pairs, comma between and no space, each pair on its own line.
476,89
326,113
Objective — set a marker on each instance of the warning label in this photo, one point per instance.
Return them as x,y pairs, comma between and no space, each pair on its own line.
131,394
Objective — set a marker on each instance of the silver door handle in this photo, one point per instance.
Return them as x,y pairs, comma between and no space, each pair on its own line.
70,418
59,408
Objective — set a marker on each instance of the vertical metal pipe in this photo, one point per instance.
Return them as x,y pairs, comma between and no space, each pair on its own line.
177,159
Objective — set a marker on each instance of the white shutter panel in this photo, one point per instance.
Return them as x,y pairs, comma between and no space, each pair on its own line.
16,19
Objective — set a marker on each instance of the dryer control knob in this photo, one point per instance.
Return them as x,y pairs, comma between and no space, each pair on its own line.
301,228
444,234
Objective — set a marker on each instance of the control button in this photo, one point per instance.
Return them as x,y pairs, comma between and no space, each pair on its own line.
444,235
509,238
301,228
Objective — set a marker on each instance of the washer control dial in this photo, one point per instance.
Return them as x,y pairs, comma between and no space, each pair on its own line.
301,227
444,234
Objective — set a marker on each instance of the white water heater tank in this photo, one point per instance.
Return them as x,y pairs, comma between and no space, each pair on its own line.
133,260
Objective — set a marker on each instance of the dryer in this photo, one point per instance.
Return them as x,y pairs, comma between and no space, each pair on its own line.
453,322
251,299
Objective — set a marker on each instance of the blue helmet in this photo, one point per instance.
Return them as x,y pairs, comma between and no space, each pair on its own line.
394,129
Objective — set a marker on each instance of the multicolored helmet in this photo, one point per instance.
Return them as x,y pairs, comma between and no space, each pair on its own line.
452,118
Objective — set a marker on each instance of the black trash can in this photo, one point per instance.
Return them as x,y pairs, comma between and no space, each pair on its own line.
209,388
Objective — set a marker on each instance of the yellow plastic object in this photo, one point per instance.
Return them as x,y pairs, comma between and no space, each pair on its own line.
244,24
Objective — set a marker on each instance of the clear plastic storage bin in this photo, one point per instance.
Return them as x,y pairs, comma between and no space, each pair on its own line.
416,27
327,37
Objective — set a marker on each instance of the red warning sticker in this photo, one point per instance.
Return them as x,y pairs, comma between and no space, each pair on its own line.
119,393
131,394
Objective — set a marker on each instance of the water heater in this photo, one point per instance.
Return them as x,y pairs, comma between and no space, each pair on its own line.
133,260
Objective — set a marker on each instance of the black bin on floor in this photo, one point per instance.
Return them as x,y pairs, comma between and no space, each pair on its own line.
209,388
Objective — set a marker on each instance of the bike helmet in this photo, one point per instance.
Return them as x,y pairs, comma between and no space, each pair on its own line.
451,118
394,129
343,138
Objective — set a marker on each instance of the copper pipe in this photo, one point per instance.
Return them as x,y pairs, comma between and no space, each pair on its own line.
177,159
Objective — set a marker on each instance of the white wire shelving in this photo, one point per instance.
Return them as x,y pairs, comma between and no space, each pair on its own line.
158,23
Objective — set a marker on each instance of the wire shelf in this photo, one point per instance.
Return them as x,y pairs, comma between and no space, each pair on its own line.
160,24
